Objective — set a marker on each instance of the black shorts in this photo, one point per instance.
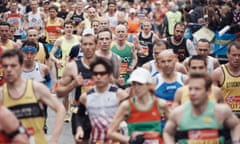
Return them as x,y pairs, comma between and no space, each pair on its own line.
86,126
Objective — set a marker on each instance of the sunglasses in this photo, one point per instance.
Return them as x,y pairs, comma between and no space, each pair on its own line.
102,73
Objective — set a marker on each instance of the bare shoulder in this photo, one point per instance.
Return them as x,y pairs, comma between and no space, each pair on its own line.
176,113
146,66
40,90
44,68
1,95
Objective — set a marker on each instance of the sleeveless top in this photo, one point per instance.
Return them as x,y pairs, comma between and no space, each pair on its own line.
28,111
9,45
34,74
201,129
133,25
41,54
2,80
66,46
126,59
153,69
51,33
88,83
166,90
15,20
180,50
77,18
231,90
101,108
35,20
147,45
173,18
145,121
185,96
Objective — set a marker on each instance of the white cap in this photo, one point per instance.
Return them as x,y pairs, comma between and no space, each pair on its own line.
140,75
132,10
88,31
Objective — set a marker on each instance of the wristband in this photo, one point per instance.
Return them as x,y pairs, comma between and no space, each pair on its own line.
19,130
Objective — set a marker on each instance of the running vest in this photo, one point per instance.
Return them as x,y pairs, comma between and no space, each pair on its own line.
153,69
88,83
35,20
28,111
210,64
145,121
15,20
185,96
173,18
9,45
180,50
66,48
133,25
51,33
41,54
77,18
35,74
101,108
126,59
231,90
203,129
167,90
146,44
2,80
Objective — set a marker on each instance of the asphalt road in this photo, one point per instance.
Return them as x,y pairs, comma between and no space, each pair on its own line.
66,135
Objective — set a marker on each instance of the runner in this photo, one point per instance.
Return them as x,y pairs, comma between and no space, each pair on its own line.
201,120
5,42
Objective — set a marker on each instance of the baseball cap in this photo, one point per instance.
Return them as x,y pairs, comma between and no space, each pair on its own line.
140,75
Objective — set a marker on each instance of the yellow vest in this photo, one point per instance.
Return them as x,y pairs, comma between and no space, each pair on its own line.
185,95
9,45
51,34
28,111
41,55
231,90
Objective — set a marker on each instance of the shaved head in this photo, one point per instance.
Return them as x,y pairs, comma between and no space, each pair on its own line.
167,53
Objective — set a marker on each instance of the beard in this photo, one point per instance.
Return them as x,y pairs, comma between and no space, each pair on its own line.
177,38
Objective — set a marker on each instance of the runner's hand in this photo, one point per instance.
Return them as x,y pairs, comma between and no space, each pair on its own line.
138,139
79,134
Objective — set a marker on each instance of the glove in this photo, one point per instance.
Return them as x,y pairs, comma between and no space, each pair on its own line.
138,139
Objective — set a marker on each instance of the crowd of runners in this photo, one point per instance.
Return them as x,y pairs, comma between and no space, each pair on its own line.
120,71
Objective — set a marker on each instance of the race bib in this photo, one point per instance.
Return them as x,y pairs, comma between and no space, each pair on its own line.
234,103
145,50
203,137
31,133
124,68
87,85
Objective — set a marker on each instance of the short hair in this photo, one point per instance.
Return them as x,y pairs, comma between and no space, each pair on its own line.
104,30
68,22
89,35
52,6
204,40
32,28
13,53
2,23
102,61
180,24
197,57
95,20
160,42
205,76
30,43
234,43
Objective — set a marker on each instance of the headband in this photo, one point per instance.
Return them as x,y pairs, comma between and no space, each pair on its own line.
29,49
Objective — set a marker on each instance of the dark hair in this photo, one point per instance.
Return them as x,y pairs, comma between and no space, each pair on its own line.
160,42
68,22
197,57
30,43
102,61
180,24
13,53
204,40
2,23
234,43
89,35
104,30
205,76
53,7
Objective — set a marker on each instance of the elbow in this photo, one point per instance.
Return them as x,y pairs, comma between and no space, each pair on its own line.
110,133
